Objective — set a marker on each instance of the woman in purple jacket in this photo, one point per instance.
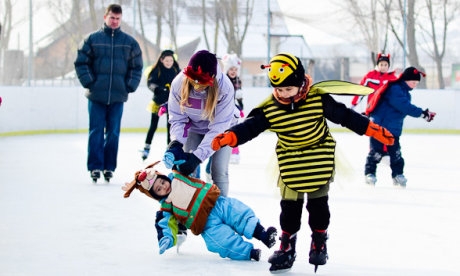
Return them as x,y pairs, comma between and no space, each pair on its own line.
201,105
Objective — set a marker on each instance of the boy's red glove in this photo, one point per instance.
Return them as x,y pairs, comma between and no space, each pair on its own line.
227,138
380,134
428,115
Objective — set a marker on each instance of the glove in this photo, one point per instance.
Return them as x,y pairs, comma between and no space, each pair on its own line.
227,138
174,154
164,244
380,134
160,95
175,148
190,164
428,115
170,163
241,113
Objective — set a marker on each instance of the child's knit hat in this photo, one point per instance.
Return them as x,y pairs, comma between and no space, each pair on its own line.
229,61
285,70
202,68
143,180
412,73
383,57
168,53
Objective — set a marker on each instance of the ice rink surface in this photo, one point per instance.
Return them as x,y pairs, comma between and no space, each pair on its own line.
55,221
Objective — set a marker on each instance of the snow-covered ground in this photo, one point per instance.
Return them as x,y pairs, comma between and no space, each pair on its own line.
54,221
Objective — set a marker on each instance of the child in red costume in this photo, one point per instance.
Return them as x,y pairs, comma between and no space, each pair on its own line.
377,77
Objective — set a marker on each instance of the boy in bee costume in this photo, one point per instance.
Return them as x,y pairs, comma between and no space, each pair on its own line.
297,113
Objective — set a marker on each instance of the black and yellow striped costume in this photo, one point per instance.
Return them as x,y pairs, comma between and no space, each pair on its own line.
305,147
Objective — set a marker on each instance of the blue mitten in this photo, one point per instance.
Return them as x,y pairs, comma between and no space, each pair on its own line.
190,164
164,244
168,160
173,154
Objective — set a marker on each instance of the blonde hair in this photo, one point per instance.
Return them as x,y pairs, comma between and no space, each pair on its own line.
211,100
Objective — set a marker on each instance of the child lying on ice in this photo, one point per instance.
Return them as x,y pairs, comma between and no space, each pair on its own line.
199,206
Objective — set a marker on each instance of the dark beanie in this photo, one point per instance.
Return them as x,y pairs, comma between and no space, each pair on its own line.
167,53
206,60
411,73
202,67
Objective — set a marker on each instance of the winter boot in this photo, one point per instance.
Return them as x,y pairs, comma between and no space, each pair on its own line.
145,152
283,259
318,249
255,254
268,237
181,236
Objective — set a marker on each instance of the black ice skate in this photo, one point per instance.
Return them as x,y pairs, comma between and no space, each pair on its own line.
95,175
283,259
318,249
145,152
107,175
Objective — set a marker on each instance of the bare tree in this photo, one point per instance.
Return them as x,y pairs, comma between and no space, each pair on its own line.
6,19
372,22
217,15
228,17
203,23
143,35
236,16
172,19
440,14
153,10
92,13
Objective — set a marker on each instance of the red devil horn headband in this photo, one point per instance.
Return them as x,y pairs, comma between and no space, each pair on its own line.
419,72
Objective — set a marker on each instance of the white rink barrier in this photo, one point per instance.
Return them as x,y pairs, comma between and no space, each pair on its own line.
65,108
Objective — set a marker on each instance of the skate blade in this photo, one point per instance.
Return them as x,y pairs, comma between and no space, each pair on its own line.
280,271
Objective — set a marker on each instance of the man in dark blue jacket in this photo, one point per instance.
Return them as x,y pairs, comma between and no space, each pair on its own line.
393,106
109,66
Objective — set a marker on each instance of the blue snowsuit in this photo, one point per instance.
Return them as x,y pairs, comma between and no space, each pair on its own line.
393,107
195,204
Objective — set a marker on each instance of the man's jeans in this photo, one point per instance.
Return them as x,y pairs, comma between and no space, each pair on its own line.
104,134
